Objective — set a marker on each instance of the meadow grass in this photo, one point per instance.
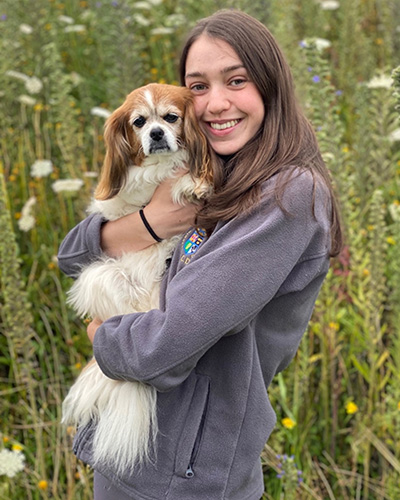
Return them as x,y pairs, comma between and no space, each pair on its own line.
64,66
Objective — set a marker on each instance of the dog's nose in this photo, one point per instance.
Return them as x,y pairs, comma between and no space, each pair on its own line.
157,134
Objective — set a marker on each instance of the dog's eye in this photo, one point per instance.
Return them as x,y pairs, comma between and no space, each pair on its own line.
171,117
139,122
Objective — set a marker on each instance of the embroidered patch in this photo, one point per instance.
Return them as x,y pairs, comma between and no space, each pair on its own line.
192,244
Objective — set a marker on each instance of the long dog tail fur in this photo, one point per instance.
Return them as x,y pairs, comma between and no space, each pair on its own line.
124,413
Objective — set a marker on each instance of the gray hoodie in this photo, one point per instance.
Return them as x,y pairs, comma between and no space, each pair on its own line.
233,310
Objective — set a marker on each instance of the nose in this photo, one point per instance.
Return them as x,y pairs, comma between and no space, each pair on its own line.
218,100
157,134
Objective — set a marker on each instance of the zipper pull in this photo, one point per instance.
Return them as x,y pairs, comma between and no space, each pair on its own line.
189,472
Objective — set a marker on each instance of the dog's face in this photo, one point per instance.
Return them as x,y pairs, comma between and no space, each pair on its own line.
155,119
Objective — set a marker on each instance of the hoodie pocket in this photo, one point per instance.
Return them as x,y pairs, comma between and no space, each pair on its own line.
193,431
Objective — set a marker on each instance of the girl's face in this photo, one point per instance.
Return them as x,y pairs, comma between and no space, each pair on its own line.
227,103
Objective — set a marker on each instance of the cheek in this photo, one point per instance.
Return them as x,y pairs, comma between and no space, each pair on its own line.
198,106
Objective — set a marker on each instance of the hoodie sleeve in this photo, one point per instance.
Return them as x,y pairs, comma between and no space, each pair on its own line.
81,246
232,276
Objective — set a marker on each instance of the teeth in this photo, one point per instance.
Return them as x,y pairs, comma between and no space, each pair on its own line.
222,126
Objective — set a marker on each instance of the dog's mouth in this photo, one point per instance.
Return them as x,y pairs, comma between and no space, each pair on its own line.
159,147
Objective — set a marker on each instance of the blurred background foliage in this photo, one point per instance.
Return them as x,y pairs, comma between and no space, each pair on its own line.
64,67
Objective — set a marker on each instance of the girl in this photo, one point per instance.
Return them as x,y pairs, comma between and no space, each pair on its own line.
235,303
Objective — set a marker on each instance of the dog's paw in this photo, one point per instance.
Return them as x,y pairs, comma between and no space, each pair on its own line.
188,189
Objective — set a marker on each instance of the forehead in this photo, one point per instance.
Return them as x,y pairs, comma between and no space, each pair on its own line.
209,54
159,99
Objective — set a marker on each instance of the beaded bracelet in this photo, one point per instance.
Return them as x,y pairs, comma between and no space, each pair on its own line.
148,227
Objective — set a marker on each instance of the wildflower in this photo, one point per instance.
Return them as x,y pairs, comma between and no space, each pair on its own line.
102,112
287,470
288,423
320,43
334,326
329,5
75,28
17,74
26,29
316,79
351,408
398,405
162,30
394,210
41,168
366,272
11,462
17,447
66,19
33,85
380,82
27,221
395,135
142,5
26,99
90,174
391,240
43,484
3,17
156,2
6,439
67,185
139,19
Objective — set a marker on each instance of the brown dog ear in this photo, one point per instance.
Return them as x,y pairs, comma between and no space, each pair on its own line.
200,157
120,153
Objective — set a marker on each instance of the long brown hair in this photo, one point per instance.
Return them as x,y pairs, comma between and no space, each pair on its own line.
285,139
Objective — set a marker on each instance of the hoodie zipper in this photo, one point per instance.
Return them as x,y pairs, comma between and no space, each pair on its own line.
189,471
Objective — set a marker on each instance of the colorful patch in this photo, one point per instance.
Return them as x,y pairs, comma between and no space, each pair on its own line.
192,244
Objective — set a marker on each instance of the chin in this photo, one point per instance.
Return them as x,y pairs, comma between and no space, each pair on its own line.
150,138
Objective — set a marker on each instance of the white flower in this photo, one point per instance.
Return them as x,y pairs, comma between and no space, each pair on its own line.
70,185
76,28
66,19
18,75
27,99
75,78
11,462
97,111
156,2
162,30
380,82
139,19
329,5
320,43
395,135
394,211
142,5
33,85
175,20
27,220
26,29
41,168
90,174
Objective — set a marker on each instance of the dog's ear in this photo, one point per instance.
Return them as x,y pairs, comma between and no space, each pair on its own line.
200,157
121,151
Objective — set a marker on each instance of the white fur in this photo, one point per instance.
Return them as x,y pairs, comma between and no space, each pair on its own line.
125,412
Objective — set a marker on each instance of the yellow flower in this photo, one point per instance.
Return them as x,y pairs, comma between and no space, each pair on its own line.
396,202
351,408
398,407
17,447
345,149
391,240
6,439
154,71
288,423
78,366
379,41
334,326
366,272
370,227
43,484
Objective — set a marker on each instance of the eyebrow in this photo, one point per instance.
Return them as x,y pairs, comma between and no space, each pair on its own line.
225,70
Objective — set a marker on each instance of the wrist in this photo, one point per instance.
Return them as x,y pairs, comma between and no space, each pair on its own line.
148,226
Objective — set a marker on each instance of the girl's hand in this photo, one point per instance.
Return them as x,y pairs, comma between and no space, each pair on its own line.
92,328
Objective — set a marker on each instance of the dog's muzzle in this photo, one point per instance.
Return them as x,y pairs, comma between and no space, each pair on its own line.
159,143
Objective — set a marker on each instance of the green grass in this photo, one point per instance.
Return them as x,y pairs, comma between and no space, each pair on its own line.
342,391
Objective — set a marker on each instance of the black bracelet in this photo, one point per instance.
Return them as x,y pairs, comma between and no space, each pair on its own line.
148,227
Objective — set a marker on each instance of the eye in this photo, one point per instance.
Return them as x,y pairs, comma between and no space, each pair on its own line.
139,122
236,82
171,117
198,87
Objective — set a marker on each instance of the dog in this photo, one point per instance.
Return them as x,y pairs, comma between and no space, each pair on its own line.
150,138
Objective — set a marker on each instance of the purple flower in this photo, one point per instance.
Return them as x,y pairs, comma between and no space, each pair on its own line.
339,92
303,44
316,79
3,17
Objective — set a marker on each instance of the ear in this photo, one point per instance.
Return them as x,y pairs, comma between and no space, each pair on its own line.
120,152
200,158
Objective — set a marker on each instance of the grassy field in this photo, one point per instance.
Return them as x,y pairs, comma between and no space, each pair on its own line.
64,66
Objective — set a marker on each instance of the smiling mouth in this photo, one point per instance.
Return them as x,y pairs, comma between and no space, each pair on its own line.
223,126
